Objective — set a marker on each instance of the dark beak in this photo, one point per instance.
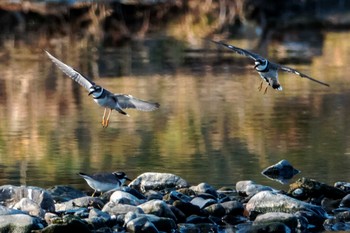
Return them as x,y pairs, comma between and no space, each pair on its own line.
127,178
256,66
91,92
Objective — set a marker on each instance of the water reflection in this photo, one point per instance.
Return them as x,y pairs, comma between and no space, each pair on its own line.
213,124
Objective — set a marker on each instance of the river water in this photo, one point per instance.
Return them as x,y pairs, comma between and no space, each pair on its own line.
213,125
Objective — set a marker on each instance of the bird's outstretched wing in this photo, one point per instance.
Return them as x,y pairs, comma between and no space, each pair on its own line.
291,70
128,101
240,51
72,73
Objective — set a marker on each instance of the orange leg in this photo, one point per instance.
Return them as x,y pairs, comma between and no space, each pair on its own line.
107,120
266,89
103,117
260,86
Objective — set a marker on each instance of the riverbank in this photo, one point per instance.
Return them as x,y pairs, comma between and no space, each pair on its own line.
114,22
162,202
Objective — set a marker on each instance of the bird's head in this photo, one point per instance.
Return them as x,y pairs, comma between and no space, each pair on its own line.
121,176
95,90
260,64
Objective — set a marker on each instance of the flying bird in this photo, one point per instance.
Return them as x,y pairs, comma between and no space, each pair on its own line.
102,96
267,70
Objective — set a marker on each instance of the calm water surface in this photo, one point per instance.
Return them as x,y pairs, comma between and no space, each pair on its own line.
213,125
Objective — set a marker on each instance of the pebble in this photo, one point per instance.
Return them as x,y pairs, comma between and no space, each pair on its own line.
163,202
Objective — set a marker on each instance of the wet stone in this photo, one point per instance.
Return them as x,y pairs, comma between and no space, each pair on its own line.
186,191
345,186
158,208
204,188
329,204
140,225
62,193
187,208
195,219
80,202
96,213
113,208
157,181
233,220
314,189
29,206
175,195
180,216
290,220
161,223
249,188
335,224
153,195
52,218
8,211
124,198
20,223
281,172
216,210
233,207
201,202
194,228
265,227
10,195
73,225
345,202
267,201
135,192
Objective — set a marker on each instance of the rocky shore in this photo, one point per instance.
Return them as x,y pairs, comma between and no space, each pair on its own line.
163,202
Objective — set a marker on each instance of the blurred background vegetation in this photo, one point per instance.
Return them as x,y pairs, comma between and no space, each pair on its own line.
115,21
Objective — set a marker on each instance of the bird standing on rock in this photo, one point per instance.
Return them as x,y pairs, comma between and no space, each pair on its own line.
266,69
103,182
102,96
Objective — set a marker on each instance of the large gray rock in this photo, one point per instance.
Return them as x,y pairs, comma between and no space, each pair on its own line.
29,206
10,195
157,181
267,201
19,223
158,208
